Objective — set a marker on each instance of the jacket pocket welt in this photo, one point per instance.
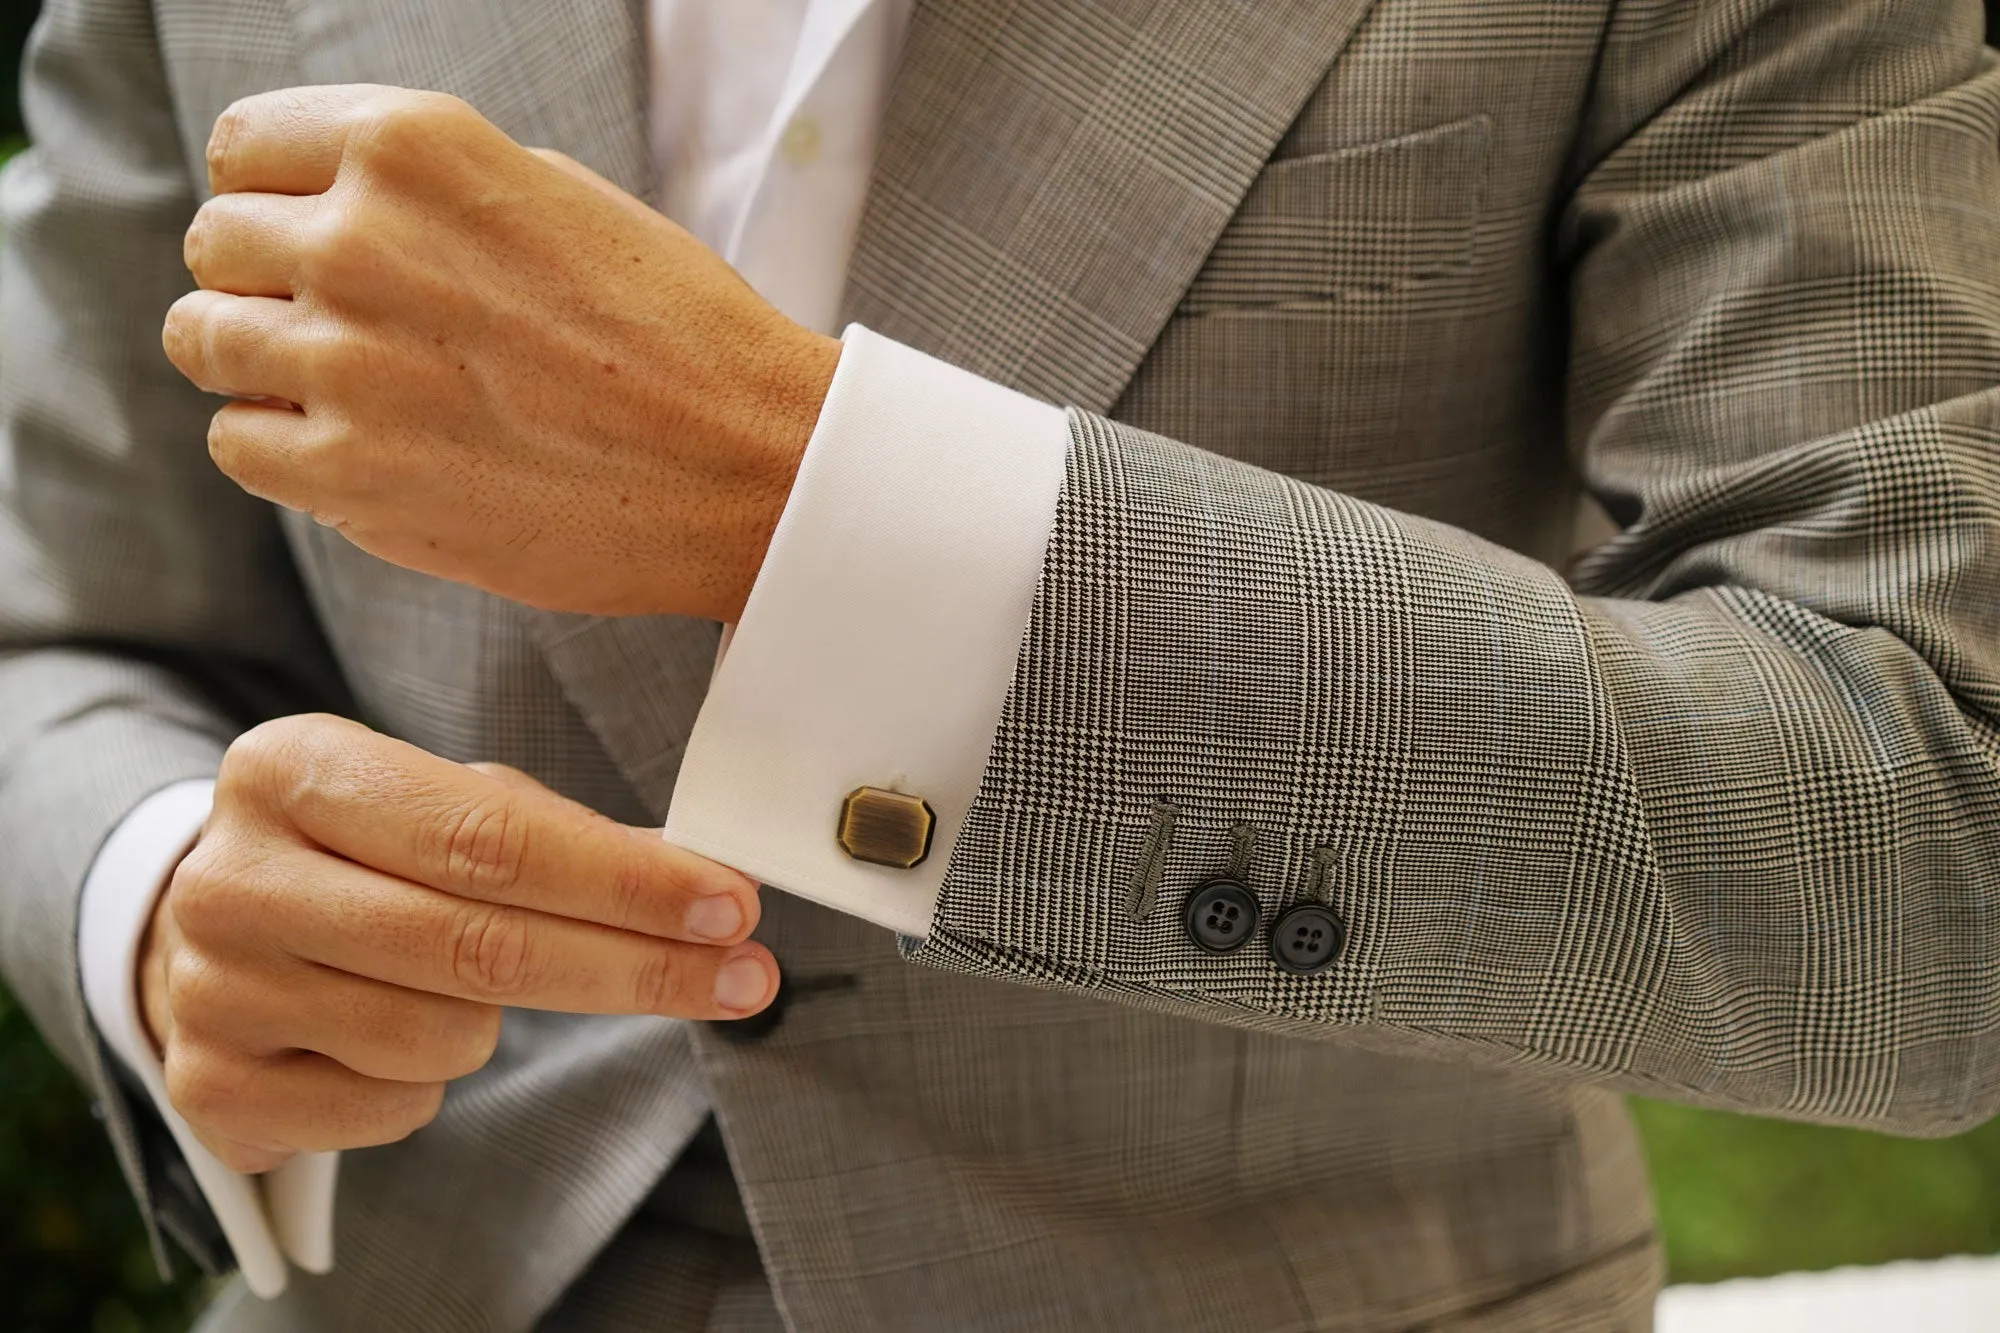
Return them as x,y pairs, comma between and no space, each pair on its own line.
1373,218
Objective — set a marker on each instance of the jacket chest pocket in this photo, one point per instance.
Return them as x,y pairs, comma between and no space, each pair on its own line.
1375,219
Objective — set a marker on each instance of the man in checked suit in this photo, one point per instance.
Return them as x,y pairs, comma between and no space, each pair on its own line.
1222,874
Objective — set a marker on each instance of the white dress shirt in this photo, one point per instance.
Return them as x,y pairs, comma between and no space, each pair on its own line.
878,642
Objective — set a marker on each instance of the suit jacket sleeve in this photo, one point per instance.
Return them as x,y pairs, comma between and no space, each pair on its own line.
147,608
1719,819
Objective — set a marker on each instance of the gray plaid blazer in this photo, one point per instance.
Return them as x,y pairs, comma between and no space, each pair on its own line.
1351,301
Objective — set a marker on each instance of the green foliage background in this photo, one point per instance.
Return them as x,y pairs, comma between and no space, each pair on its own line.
73,1258
1737,1196
16,16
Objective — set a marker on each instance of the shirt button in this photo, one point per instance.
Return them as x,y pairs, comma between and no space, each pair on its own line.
1221,916
1307,939
801,141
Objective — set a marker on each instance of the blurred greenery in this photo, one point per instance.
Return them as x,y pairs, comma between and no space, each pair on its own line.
16,17
1737,1196
1742,1197
73,1256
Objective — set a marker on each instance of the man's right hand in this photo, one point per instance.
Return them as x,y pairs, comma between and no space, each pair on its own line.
338,943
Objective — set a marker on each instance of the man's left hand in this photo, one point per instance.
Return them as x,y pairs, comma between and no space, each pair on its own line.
484,362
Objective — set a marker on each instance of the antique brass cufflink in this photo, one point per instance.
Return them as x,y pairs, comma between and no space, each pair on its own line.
885,828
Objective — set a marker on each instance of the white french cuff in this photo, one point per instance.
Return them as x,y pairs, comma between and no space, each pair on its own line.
878,644
282,1214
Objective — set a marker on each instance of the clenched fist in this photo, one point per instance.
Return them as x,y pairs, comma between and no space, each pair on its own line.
337,945
486,363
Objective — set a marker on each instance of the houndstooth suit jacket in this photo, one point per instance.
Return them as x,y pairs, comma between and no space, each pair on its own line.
1350,299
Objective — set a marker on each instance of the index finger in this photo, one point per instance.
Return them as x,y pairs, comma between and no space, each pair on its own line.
286,142
399,809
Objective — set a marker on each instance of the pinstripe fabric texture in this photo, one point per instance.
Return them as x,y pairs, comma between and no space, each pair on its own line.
1716,818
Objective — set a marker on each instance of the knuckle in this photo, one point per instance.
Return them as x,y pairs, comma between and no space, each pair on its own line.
268,750
199,874
280,765
195,990
195,243
377,133
204,893
392,130
223,136
656,986
323,243
484,844
232,455
631,888
491,951
181,335
342,251
201,1086
256,767
224,339
436,110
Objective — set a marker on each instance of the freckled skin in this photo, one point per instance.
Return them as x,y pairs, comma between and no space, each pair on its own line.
488,364
338,945
485,341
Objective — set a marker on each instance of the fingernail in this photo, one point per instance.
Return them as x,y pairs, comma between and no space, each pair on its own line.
715,918
742,983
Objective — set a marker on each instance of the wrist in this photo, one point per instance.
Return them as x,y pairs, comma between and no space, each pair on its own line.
788,386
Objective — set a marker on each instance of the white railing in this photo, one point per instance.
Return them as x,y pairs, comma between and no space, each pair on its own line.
1936,1296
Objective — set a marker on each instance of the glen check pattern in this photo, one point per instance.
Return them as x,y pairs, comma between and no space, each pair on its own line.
1350,297
1723,821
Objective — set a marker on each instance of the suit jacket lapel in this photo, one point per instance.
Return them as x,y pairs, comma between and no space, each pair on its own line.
1052,174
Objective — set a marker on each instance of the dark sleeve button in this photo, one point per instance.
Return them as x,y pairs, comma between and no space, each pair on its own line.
1221,916
1307,939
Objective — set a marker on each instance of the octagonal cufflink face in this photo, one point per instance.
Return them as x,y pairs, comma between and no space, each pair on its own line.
886,828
